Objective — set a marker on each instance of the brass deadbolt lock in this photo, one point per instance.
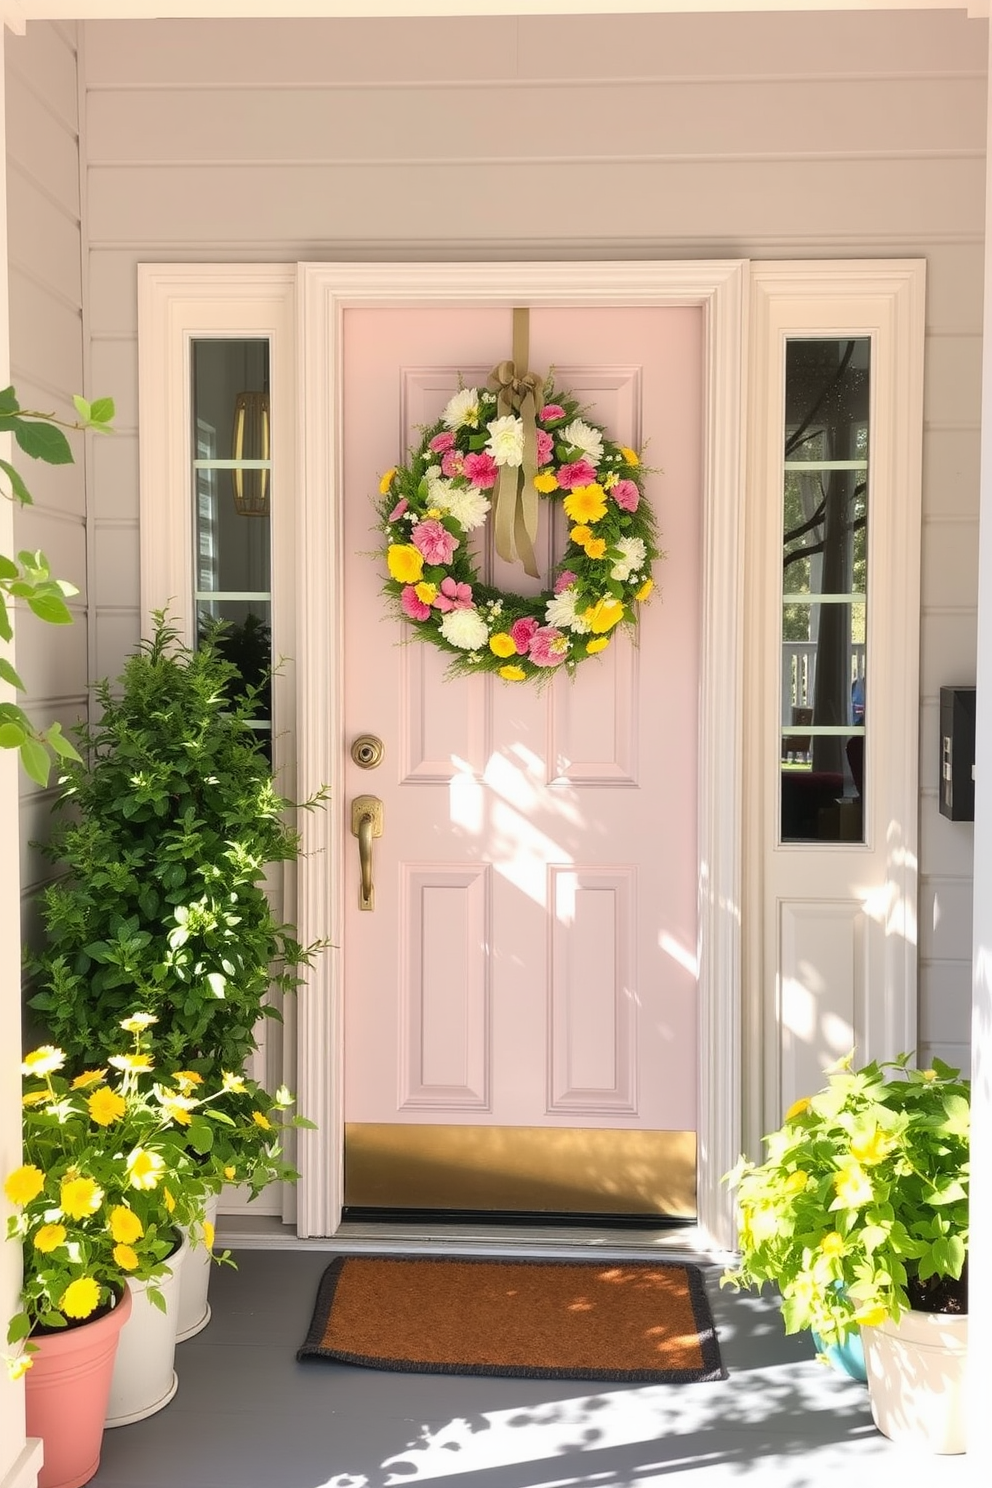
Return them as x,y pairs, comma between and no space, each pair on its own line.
367,751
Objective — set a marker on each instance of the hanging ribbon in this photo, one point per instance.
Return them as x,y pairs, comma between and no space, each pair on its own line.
515,501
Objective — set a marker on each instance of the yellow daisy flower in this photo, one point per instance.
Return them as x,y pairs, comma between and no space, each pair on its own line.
125,1226
105,1106
144,1168
87,1078
80,1297
208,1234
18,1368
24,1184
138,1022
546,482
580,535
853,1186
631,456
595,547
386,481
43,1061
262,1121
512,673
502,644
49,1237
426,593
873,1148
229,1172
235,1084
34,1097
132,1063
126,1258
833,1244
79,1198
797,1108
168,1200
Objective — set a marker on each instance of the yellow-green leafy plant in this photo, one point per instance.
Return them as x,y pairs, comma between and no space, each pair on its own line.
27,579
860,1210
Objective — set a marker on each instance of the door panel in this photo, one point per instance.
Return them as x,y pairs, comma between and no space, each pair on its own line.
531,959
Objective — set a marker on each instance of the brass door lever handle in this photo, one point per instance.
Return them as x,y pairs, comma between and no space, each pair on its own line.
366,823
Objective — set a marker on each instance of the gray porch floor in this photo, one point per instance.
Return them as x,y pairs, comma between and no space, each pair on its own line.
247,1415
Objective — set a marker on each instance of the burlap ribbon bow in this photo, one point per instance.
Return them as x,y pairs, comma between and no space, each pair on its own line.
515,500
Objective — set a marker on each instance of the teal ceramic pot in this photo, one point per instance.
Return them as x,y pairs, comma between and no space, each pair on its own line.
847,1357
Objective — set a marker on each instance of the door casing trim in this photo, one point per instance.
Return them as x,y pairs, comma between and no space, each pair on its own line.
325,292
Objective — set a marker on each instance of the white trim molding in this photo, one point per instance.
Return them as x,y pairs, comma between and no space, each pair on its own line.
830,927
326,292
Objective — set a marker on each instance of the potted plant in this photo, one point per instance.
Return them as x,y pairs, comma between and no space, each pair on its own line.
859,1214
109,1170
166,829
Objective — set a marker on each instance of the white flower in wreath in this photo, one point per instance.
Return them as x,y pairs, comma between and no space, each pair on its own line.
561,612
465,629
583,437
462,409
632,555
506,440
437,485
470,506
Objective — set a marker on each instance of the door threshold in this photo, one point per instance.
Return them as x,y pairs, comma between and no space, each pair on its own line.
687,1243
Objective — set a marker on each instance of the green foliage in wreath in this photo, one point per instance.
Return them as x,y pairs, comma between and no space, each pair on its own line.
430,507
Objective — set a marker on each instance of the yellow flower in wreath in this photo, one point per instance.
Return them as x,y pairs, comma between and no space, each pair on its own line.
629,455
585,503
386,481
603,615
406,563
512,673
598,643
546,482
502,644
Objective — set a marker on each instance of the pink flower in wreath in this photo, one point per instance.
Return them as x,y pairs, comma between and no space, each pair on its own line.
453,596
522,632
413,605
545,446
442,442
434,541
564,580
452,463
398,509
581,473
626,495
481,470
548,646
550,412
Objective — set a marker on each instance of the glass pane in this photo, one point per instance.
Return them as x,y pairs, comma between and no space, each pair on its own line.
824,586
232,475
232,500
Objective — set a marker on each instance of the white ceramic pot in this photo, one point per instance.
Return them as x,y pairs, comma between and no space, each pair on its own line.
194,1283
144,1378
916,1388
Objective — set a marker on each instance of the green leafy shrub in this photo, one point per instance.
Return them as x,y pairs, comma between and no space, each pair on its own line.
166,829
860,1210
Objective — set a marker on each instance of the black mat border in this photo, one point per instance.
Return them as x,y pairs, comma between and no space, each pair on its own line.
711,1369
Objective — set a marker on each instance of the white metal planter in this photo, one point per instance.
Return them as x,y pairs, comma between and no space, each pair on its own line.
194,1282
144,1378
916,1384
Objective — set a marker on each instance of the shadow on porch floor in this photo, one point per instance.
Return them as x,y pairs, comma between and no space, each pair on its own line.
247,1415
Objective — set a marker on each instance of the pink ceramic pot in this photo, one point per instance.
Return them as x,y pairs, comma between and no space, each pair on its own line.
66,1393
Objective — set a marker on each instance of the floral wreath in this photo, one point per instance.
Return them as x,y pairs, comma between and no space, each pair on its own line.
479,448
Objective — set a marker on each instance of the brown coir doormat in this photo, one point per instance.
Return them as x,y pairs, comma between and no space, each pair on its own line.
631,1320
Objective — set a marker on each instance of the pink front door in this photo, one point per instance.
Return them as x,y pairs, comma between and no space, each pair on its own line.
529,966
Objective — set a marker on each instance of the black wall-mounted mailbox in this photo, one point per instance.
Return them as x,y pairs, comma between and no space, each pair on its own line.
957,753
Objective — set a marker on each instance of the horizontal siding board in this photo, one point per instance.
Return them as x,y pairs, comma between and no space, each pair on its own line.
950,472
42,145
161,53
726,119
43,240
950,564
155,54
161,206
952,370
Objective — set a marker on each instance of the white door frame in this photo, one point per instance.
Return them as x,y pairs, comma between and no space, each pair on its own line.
325,292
